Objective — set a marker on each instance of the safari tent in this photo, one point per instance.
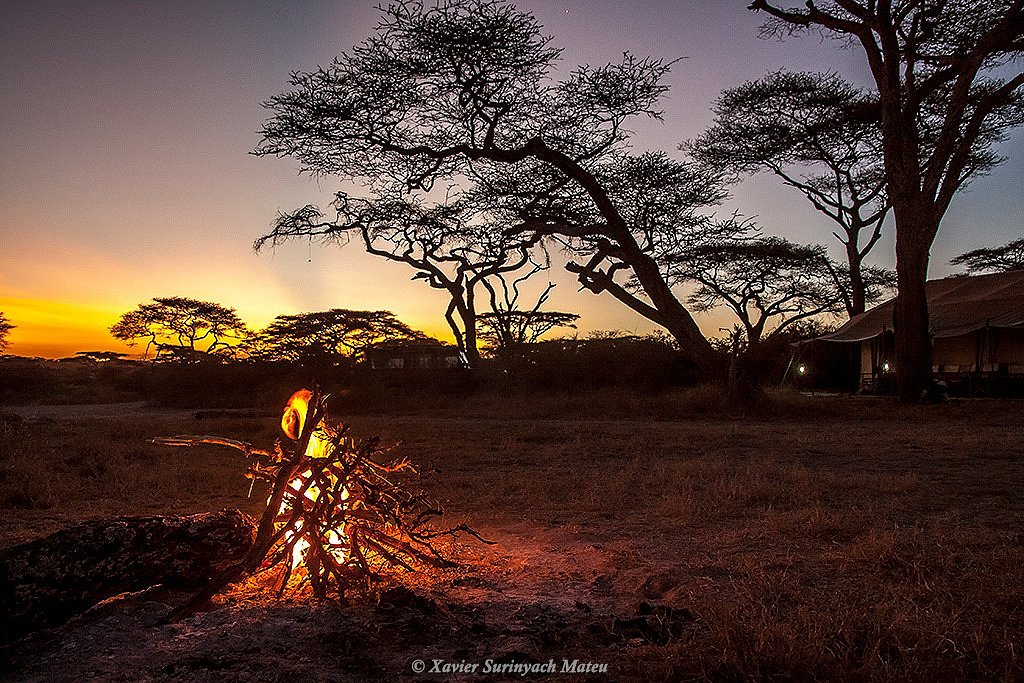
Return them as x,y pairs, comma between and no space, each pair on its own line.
977,329
414,354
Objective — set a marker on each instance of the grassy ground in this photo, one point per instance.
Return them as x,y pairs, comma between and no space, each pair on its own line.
825,538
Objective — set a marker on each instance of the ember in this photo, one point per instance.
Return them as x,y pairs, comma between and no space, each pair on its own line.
340,512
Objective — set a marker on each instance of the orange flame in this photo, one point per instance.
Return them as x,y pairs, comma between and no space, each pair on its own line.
294,418
293,421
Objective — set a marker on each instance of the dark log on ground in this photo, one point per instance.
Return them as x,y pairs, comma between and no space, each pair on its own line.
45,582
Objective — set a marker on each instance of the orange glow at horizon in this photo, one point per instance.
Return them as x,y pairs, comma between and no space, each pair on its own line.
57,329
49,328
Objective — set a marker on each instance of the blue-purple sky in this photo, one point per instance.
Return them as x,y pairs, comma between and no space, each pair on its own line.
126,126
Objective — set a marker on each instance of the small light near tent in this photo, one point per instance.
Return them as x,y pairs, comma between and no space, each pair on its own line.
801,369
885,366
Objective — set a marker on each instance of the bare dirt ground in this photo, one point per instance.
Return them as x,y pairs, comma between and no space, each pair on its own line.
842,539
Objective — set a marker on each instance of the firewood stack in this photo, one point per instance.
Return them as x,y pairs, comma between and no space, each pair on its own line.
340,512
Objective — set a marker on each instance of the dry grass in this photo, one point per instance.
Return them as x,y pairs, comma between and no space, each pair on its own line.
826,538
57,471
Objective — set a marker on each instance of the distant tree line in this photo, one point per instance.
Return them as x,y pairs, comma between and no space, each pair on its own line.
188,330
182,328
770,284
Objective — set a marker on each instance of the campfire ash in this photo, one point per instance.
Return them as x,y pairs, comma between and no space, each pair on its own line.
340,512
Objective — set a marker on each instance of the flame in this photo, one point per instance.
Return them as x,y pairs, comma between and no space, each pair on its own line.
293,421
294,417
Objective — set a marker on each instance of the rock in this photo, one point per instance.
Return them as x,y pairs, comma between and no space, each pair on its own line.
45,582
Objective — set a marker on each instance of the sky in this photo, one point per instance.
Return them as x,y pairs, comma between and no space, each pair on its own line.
125,129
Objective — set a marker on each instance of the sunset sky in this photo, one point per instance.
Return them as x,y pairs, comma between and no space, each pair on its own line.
126,127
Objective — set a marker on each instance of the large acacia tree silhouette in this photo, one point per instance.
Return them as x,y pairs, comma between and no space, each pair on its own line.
463,94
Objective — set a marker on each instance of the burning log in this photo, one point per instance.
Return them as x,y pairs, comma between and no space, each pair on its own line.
340,513
45,582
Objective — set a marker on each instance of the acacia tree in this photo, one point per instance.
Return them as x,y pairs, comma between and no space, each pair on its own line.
804,128
329,336
5,329
772,286
507,327
507,331
661,202
445,246
1008,257
183,328
938,66
769,283
463,92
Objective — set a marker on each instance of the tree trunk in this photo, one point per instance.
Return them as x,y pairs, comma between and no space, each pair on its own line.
692,342
914,228
676,319
463,304
472,352
743,388
460,340
45,582
858,298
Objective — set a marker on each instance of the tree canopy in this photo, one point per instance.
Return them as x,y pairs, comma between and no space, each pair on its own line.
769,283
505,331
809,129
330,336
181,328
449,246
462,95
509,328
1010,256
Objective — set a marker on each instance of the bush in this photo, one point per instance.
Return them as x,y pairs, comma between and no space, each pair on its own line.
651,363
639,365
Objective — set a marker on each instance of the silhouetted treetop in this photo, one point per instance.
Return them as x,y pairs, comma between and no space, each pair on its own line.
329,336
1010,256
942,94
820,135
658,200
793,118
5,329
769,283
510,330
182,328
430,237
440,85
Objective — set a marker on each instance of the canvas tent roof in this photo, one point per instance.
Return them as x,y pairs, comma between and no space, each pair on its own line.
956,306
414,346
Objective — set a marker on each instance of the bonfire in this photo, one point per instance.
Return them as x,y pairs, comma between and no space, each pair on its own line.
340,512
